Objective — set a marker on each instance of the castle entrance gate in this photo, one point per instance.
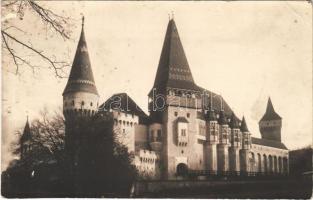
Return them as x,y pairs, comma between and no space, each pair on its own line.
182,169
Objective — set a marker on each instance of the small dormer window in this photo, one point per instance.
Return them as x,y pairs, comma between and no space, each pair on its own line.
188,115
175,113
91,104
83,103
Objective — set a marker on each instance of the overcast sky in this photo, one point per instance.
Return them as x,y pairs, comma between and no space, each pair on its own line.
246,51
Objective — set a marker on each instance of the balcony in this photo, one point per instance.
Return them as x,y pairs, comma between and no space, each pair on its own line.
201,137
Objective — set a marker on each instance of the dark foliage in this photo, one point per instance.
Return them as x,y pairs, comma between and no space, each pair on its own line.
91,164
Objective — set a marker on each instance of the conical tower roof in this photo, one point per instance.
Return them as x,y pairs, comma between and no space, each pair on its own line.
270,113
211,115
243,126
222,120
26,133
81,76
233,121
173,69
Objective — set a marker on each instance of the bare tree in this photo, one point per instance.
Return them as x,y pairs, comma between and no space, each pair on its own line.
10,41
49,132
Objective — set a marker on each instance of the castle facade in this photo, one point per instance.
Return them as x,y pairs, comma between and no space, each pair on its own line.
189,129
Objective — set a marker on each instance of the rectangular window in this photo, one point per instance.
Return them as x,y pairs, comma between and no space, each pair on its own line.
159,135
183,132
151,135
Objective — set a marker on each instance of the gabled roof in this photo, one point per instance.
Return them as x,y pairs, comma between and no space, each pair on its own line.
173,69
26,133
81,76
270,113
244,127
122,102
269,143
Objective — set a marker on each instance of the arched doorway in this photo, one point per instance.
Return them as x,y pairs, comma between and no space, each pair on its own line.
259,163
280,163
252,162
182,169
285,165
265,163
275,165
270,159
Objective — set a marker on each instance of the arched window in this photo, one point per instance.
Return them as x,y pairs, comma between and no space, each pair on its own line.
83,103
91,104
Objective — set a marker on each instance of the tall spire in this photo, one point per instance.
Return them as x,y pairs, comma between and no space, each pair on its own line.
173,70
81,76
26,132
243,126
270,113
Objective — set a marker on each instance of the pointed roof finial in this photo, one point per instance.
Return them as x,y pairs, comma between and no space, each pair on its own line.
172,14
83,21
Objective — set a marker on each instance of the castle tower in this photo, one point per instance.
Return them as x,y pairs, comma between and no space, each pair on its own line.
25,141
80,95
212,140
246,146
235,140
80,100
173,109
270,124
222,147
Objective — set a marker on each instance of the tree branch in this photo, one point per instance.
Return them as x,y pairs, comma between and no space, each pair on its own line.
52,63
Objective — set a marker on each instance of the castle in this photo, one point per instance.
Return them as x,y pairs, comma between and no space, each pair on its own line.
188,129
